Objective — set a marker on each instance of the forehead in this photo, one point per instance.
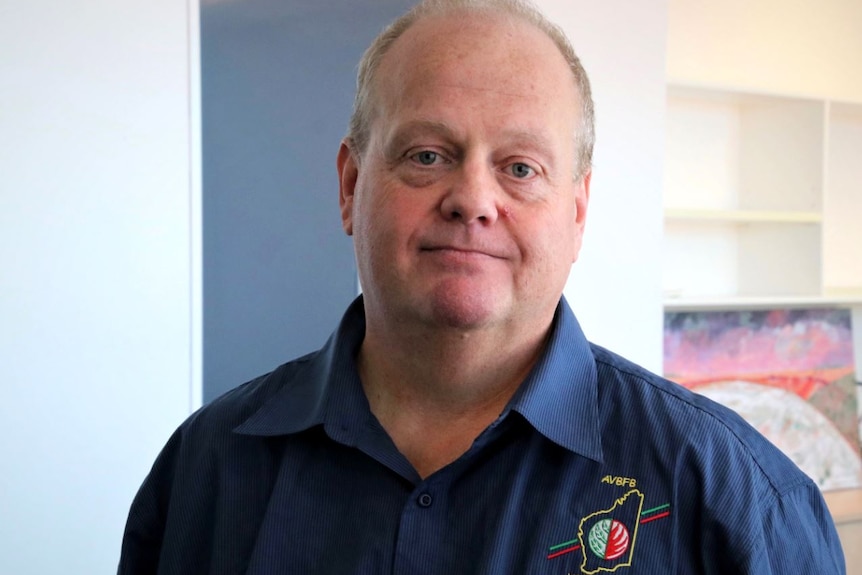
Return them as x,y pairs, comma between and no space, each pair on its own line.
484,60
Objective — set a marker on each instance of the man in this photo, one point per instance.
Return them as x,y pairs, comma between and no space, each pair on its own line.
458,422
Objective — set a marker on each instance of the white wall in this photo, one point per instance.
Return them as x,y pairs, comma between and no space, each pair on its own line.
615,287
807,47
96,262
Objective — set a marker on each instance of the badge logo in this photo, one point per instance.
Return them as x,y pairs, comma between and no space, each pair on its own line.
607,538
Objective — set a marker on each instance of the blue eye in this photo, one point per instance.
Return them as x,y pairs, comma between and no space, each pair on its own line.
520,170
426,157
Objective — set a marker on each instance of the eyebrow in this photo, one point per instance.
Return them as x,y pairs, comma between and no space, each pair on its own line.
525,138
405,132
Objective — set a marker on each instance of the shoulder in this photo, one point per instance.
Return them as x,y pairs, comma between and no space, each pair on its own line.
692,425
225,413
728,484
207,443
203,458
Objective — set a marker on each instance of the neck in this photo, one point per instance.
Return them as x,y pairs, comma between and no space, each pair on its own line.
435,390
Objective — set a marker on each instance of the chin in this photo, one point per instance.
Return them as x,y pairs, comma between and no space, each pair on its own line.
463,309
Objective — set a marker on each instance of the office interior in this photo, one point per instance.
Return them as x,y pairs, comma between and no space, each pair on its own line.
157,248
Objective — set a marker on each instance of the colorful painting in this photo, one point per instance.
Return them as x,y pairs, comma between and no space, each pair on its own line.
789,373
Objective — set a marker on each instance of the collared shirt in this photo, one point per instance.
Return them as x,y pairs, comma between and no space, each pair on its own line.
595,466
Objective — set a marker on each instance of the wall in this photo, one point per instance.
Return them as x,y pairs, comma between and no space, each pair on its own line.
806,47
278,268
95,268
615,287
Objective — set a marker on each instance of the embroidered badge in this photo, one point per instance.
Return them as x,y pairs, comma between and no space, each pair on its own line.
606,538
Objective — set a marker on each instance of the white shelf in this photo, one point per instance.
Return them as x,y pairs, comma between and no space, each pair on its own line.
741,216
763,200
765,302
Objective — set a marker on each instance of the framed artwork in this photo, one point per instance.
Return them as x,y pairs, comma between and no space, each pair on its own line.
788,372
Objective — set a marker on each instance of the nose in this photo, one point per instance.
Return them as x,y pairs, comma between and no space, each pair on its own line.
472,195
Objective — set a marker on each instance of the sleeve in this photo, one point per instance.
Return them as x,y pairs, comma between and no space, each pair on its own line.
797,535
145,526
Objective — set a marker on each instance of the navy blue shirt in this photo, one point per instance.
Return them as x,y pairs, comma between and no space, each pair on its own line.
595,466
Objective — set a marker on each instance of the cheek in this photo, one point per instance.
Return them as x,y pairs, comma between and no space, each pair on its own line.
554,229
384,223
549,244
569,232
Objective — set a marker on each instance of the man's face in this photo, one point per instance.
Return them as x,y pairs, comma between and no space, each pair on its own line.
464,207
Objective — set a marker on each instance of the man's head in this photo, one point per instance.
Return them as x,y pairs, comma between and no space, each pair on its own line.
364,102
465,198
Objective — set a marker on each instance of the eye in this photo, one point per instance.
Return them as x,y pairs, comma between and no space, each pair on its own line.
426,157
521,170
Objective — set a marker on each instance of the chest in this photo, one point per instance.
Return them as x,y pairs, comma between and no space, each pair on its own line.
527,510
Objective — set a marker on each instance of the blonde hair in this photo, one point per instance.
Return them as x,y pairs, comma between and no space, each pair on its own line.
360,120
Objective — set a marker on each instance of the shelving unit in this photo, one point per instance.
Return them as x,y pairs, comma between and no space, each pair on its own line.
763,200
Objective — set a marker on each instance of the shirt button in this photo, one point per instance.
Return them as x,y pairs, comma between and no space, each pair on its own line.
425,500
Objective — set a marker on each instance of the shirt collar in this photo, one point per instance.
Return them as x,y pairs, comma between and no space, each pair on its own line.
322,386
559,398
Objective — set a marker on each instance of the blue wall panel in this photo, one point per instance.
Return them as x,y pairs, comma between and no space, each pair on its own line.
278,80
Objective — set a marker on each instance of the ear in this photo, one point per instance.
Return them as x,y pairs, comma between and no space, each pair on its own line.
348,172
582,200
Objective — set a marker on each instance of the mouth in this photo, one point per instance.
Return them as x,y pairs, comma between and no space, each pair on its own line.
461,253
